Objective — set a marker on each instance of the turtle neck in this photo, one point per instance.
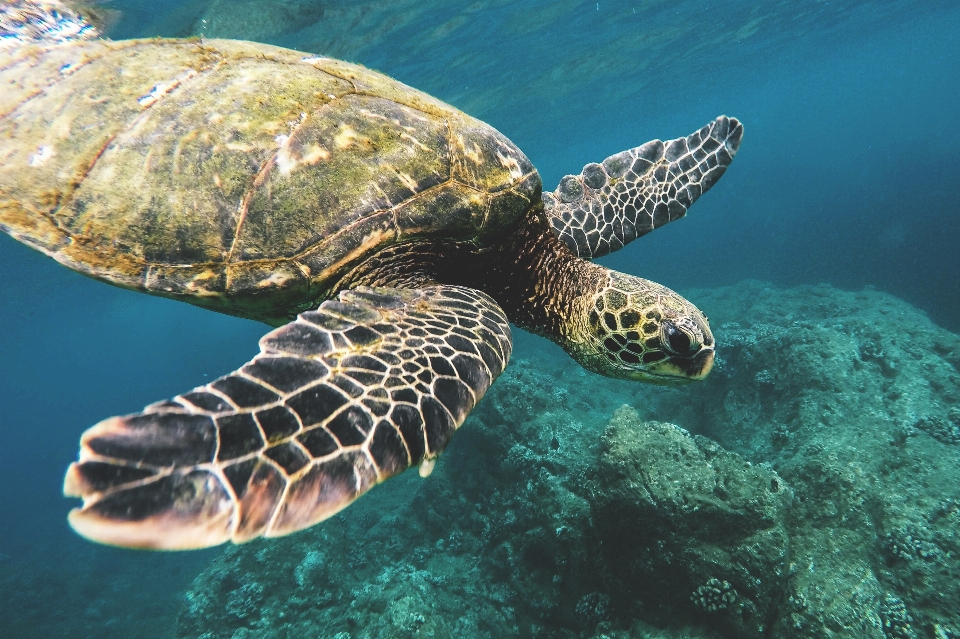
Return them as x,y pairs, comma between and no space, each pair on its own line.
536,279
532,274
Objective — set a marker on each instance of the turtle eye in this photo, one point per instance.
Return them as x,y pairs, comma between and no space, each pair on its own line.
677,341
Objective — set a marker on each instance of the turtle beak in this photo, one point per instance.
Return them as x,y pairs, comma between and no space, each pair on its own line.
699,365
677,371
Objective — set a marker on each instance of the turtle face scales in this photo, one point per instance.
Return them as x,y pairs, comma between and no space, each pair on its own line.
633,328
619,325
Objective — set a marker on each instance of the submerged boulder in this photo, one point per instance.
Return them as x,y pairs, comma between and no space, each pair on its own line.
853,398
818,497
688,528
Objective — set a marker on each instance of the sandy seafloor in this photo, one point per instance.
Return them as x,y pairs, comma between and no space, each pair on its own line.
827,259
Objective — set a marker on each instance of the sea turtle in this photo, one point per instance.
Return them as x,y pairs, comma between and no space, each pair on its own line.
389,236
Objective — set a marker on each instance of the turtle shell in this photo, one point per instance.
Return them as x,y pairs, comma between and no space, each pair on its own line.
238,176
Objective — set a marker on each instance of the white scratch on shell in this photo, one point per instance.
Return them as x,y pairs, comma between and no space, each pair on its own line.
510,163
43,154
285,160
275,279
163,88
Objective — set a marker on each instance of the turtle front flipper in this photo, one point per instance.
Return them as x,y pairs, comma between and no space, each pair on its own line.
337,401
635,191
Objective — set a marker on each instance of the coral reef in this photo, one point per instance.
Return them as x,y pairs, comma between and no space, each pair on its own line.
857,379
668,504
495,543
805,490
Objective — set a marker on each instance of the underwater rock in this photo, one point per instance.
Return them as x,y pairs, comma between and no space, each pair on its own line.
495,543
858,417
688,529
529,527
940,428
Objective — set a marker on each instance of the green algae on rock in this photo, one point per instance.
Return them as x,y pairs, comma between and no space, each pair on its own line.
524,528
495,543
666,502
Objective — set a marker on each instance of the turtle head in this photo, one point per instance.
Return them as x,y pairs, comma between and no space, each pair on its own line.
631,328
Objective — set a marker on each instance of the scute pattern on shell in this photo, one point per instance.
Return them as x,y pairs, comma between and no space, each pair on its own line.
336,402
238,176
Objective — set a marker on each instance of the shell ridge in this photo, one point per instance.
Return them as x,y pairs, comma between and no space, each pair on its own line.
264,172
337,76
366,216
75,185
63,76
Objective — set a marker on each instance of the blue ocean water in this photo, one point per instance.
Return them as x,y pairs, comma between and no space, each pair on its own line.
847,175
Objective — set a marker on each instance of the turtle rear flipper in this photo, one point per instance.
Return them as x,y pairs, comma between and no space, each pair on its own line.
337,401
635,191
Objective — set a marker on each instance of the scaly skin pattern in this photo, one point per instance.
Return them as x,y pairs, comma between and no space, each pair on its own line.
638,329
635,191
238,176
337,401
612,323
